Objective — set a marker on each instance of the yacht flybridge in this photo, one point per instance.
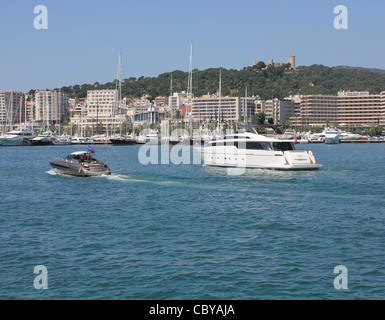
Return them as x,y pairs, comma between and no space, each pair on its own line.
253,150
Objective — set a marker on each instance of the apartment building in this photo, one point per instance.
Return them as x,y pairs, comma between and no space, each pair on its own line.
104,108
142,105
13,108
161,101
248,108
50,106
102,103
382,110
279,109
214,108
176,100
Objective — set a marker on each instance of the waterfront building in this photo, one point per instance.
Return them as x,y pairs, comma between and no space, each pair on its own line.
142,105
248,109
102,103
359,108
214,108
279,109
381,122
295,119
12,109
147,117
260,105
347,109
78,116
176,100
103,109
50,107
161,101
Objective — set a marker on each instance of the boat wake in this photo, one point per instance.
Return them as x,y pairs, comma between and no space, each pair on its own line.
52,172
173,183
118,177
128,179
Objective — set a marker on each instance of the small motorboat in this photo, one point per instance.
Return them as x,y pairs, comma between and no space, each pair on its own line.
81,164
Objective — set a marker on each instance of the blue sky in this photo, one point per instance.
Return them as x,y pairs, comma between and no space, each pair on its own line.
84,38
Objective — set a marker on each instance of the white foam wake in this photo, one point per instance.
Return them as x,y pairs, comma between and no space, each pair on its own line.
51,172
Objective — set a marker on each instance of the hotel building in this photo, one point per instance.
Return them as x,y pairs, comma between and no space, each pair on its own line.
347,109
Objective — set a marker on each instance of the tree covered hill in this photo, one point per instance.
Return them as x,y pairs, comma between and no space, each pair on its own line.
277,82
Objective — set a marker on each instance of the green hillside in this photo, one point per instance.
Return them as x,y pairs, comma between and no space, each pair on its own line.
277,82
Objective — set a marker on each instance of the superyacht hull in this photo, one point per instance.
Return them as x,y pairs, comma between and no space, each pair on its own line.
331,140
273,160
123,142
252,150
14,142
41,142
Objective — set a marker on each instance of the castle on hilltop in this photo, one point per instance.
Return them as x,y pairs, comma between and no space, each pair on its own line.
278,64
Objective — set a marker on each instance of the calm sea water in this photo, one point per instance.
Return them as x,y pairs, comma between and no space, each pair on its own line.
192,232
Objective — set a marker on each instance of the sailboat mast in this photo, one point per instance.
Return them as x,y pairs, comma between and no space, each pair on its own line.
119,91
245,105
11,108
189,82
20,111
60,109
25,110
220,98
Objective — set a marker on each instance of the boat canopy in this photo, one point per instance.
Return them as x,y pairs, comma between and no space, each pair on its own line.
80,152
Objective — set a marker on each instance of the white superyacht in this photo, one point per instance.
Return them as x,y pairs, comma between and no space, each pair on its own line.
331,136
254,150
17,138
